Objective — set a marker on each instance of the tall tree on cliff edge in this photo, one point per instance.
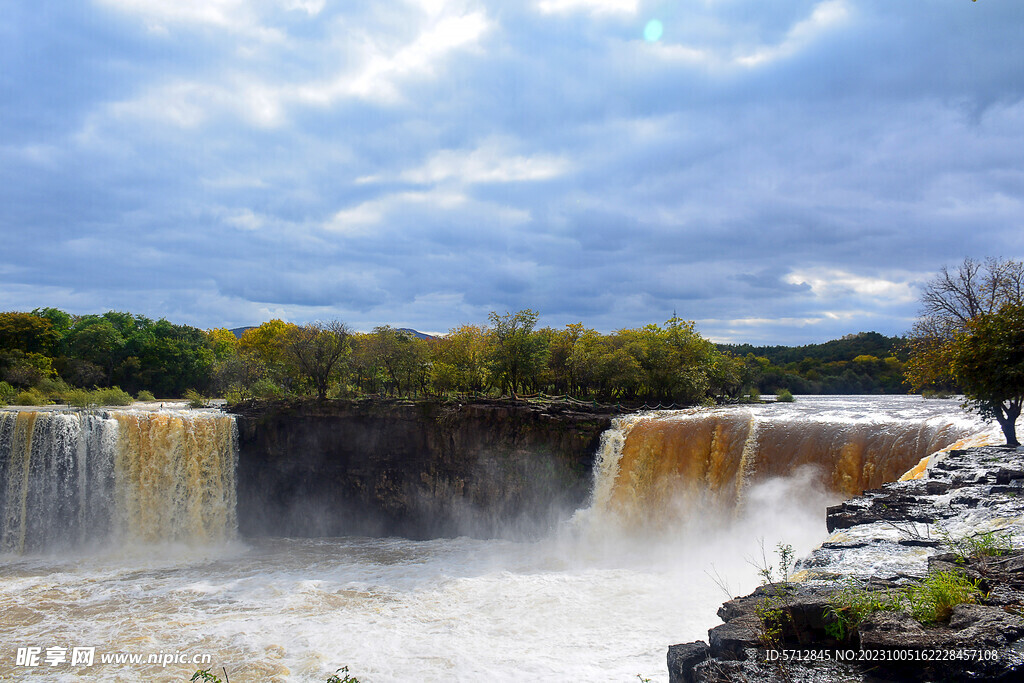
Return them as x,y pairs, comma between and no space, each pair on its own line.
516,350
987,359
971,333
319,350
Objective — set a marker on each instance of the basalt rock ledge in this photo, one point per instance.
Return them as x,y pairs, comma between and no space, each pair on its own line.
417,469
888,538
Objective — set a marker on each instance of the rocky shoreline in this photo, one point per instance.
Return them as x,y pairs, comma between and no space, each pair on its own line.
885,542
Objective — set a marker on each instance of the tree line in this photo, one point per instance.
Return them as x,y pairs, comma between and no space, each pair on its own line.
969,338
47,352
862,363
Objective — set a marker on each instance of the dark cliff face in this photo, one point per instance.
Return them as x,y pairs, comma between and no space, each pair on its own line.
416,469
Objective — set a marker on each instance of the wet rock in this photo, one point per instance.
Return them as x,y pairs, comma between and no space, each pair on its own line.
977,489
419,469
895,631
683,658
1006,475
756,669
729,641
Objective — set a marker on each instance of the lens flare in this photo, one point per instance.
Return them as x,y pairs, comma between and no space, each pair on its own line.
653,31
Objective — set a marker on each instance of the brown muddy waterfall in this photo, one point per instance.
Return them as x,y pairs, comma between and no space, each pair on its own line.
590,600
74,478
677,464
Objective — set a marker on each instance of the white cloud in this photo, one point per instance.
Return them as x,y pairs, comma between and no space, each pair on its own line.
489,163
245,219
826,16
377,80
232,16
593,6
362,218
830,283
310,7
376,72
356,219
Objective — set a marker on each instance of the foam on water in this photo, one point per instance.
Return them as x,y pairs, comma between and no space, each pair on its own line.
593,601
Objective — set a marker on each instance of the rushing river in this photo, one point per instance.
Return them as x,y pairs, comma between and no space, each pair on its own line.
599,599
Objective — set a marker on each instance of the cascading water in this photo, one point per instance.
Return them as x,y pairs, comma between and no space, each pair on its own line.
670,465
68,479
585,603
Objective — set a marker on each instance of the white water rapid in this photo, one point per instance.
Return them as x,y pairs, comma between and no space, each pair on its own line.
599,599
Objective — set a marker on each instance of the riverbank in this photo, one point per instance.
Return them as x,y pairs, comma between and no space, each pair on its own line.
886,540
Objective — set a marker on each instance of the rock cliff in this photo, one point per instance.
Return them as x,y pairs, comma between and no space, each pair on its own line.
889,539
415,469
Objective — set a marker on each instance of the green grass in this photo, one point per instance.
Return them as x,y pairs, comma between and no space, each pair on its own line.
933,600
979,546
930,602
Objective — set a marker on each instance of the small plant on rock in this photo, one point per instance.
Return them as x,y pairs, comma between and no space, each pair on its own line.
933,599
980,546
853,603
774,609
195,399
343,678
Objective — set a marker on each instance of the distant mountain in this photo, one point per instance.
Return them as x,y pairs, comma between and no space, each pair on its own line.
418,335
239,331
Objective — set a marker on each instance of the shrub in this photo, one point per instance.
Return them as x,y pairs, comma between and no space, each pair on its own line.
784,396
195,399
344,678
979,546
934,598
54,387
930,601
234,396
853,603
774,610
31,397
113,396
7,393
78,398
264,388
145,395
933,393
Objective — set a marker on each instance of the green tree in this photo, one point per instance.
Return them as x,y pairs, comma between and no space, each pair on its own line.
459,359
263,356
516,352
400,358
27,332
98,341
319,350
948,303
987,360
969,335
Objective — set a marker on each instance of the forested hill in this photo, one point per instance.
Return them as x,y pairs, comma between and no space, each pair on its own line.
847,348
866,362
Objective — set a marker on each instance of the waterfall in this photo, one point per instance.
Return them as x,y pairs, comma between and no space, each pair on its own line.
680,465
70,478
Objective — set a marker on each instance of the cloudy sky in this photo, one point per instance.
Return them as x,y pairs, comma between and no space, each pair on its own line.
780,172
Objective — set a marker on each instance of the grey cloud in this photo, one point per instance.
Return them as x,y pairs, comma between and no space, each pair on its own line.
892,142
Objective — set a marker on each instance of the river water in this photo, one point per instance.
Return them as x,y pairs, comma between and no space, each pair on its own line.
594,600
